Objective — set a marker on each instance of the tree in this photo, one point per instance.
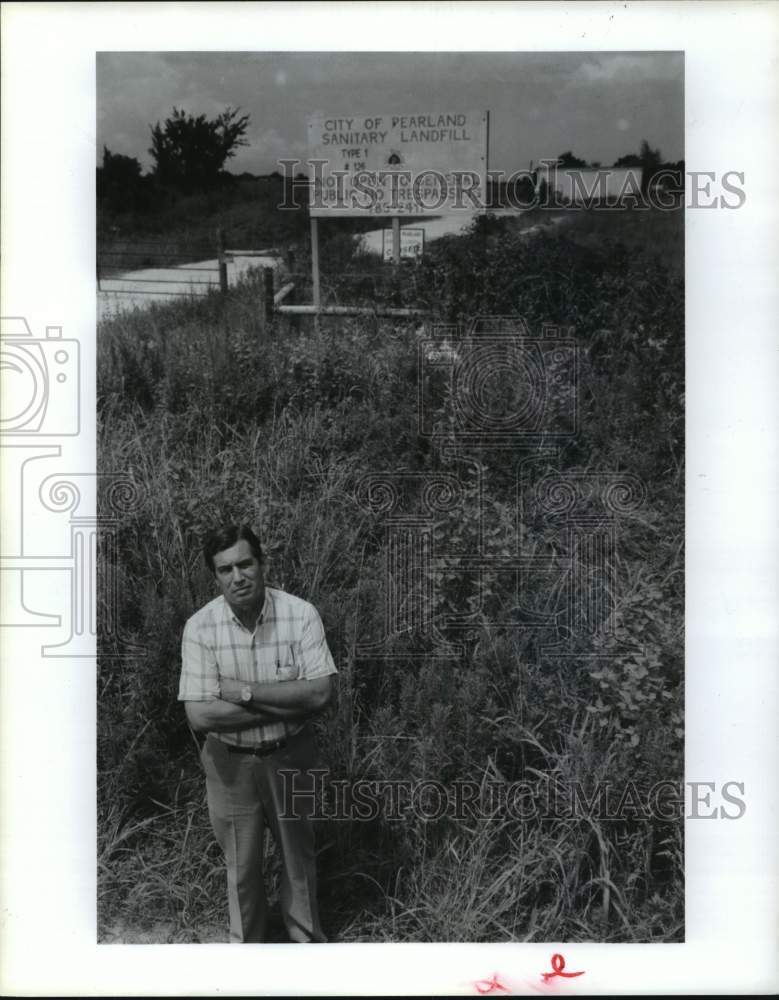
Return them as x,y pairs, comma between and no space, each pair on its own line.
189,152
120,186
567,159
651,161
630,160
119,169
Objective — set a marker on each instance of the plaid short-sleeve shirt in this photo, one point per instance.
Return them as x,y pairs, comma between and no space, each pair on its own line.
288,643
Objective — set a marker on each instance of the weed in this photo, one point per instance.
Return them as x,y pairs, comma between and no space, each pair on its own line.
217,415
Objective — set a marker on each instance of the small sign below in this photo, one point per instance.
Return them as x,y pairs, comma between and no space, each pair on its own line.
412,243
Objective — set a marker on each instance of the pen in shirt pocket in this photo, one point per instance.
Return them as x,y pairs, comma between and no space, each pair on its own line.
289,661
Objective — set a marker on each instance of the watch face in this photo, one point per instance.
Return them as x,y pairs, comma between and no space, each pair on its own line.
246,694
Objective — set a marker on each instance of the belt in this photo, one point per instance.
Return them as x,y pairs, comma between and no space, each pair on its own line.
260,749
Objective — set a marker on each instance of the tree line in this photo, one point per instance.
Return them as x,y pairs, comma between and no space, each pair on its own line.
189,153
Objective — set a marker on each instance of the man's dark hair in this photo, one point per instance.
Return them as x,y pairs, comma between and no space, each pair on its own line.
227,536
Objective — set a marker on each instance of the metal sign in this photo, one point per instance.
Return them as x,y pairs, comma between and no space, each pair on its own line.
412,243
428,163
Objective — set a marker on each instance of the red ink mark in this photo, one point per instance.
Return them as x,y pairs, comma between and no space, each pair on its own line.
485,986
558,964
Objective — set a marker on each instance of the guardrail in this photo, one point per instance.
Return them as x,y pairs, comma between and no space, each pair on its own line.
274,302
117,264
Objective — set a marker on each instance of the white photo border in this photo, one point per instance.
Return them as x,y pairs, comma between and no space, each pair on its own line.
732,259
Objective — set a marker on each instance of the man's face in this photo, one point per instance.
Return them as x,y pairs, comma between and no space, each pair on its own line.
240,577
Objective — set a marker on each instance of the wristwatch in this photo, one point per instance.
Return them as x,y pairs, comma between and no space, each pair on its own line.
246,694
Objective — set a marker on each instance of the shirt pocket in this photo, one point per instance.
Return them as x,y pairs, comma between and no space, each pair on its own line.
288,664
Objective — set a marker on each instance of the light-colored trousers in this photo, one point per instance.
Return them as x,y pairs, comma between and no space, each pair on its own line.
245,794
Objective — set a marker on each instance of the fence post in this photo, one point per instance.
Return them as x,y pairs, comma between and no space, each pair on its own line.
293,321
220,251
267,292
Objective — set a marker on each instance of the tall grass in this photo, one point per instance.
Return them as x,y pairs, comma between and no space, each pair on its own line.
216,415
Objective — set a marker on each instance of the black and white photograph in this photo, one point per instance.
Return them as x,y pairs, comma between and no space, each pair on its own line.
389,400
390,389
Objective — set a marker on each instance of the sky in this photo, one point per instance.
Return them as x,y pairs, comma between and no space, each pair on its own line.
600,105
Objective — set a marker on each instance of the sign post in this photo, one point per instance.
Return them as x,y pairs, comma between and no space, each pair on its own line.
315,261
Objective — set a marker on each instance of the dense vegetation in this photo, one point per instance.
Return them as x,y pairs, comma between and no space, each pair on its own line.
214,414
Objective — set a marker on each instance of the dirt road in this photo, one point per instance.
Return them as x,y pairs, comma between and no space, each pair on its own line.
138,289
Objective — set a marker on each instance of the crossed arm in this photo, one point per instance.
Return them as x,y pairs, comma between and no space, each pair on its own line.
270,703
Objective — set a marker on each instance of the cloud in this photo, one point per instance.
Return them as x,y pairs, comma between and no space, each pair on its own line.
266,147
540,102
629,67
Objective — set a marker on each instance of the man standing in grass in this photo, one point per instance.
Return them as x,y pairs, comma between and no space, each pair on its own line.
255,667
